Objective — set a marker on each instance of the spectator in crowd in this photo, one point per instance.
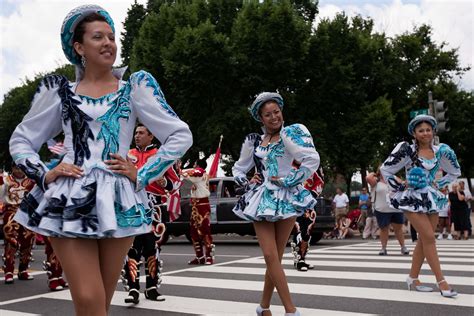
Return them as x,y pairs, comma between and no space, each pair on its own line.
460,213
340,204
444,222
344,225
384,214
364,203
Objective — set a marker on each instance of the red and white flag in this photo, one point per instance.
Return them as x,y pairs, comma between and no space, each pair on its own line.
56,147
173,205
215,161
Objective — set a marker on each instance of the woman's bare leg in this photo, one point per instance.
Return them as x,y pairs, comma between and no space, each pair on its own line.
425,225
112,252
270,237
80,261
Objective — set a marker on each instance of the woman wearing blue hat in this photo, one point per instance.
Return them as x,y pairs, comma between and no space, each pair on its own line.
419,196
93,203
275,195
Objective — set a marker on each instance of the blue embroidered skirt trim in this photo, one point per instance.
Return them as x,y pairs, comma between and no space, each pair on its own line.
426,200
98,205
261,203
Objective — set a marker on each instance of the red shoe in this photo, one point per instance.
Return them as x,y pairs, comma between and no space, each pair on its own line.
55,285
200,260
63,283
209,260
8,278
24,276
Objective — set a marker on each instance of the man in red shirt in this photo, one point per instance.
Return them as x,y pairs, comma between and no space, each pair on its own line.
148,245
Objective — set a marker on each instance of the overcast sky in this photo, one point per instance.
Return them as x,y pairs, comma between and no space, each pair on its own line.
30,44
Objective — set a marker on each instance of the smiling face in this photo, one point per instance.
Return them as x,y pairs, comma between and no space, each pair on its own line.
98,45
424,133
271,116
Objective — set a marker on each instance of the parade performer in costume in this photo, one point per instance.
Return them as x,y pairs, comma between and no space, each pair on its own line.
305,223
93,202
13,188
53,268
200,221
275,195
419,196
148,245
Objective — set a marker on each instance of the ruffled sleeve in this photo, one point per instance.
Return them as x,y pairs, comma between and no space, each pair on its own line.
449,164
41,123
246,161
398,159
154,112
299,143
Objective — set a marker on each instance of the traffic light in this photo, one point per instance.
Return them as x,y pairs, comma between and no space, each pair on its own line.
441,115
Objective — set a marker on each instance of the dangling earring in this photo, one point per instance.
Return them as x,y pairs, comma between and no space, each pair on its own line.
83,61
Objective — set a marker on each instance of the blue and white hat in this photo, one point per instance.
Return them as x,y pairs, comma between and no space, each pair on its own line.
69,26
261,99
419,119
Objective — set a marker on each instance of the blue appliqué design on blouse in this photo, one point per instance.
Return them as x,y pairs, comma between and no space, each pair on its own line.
135,216
446,151
148,172
100,100
138,77
296,134
70,112
110,129
277,150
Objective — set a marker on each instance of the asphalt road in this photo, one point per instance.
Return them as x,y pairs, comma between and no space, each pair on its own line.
349,278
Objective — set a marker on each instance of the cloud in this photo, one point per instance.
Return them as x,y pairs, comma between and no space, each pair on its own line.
452,22
30,36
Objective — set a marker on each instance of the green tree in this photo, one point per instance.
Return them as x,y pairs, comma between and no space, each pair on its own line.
344,94
198,62
133,22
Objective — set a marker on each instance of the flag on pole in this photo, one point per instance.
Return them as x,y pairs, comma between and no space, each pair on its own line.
56,147
215,161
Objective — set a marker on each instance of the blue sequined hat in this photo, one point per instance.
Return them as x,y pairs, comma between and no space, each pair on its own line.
419,119
69,26
261,99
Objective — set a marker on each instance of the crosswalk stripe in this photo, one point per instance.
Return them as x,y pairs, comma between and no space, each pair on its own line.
198,306
315,274
446,249
371,252
398,257
5,312
388,265
330,290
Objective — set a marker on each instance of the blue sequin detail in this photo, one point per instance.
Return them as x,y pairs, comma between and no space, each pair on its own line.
296,176
277,150
138,77
148,172
296,134
446,151
110,129
21,156
170,153
269,202
102,99
135,216
416,178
